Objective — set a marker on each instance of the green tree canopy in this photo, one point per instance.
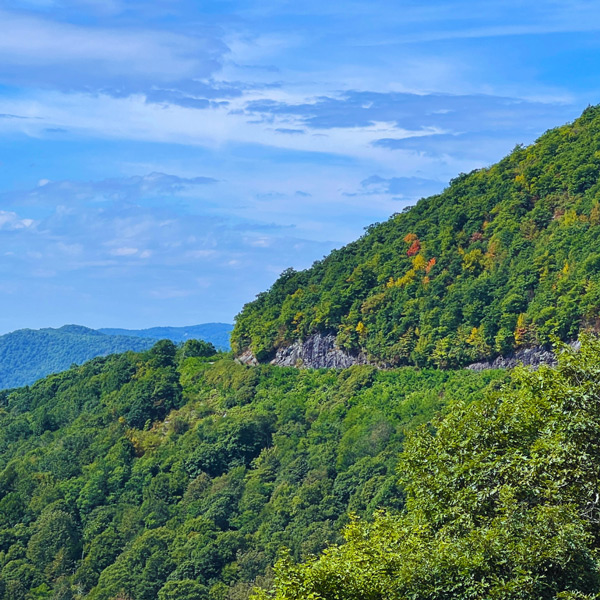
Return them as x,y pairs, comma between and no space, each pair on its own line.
502,502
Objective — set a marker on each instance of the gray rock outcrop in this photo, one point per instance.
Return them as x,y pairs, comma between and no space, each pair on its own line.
316,352
247,358
320,351
528,357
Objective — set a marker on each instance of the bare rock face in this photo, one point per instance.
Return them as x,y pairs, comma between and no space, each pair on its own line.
316,352
319,351
528,357
247,358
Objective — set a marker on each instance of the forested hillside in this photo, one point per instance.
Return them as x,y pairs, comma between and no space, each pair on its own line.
27,355
180,474
170,475
506,257
501,502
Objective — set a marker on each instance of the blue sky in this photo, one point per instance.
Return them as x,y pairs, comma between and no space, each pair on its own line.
162,162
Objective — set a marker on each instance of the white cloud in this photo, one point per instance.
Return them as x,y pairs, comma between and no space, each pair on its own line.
170,293
40,51
11,221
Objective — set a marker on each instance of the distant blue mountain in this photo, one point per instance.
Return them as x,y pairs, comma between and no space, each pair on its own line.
27,355
215,333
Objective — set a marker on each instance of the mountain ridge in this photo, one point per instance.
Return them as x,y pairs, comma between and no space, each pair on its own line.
215,333
504,258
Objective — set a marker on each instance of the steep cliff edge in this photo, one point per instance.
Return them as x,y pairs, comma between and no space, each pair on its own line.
316,352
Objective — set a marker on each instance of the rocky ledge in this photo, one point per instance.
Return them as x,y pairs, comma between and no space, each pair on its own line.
528,357
316,352
319,351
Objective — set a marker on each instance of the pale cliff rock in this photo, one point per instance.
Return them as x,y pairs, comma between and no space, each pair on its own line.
316,352
528,357
247,358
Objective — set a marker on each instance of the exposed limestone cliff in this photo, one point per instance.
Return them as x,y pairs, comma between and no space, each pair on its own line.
528,357
317,351
247,358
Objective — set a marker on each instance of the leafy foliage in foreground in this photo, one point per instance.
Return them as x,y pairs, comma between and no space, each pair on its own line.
505,257
502,502
162,475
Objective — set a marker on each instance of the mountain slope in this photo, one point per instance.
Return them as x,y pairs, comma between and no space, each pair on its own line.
155,476
501,502
505,257
215,333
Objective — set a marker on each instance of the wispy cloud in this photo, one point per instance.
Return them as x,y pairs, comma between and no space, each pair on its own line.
37,51
8,116
414,115
120,189
12,221
115,245
408,188
181,154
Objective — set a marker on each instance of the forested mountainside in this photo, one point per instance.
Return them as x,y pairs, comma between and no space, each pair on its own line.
27,355
501,502
506,257
174,476
215,333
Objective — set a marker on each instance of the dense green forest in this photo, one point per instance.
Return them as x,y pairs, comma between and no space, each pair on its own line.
177,473
502,502
26,355
506,257
29,354
171,475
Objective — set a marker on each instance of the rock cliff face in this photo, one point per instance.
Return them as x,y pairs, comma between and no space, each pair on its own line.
247,358
528,357
319,351
316,352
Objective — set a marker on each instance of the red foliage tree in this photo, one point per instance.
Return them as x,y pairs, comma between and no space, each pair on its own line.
414,248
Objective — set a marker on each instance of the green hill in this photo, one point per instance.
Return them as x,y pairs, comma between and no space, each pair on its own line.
501,502
26,355
506,257
163,475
